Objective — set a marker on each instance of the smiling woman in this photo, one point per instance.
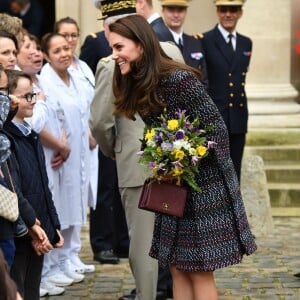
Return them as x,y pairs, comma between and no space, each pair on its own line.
213,232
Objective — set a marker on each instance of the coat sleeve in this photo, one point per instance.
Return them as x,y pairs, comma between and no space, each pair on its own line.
102,121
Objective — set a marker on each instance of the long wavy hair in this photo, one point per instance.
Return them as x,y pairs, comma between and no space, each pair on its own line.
137,90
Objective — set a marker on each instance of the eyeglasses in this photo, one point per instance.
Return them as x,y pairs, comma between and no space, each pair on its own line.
232,9
4,90
28,97
72,36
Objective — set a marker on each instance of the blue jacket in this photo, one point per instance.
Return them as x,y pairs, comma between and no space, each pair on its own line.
33,179
227,78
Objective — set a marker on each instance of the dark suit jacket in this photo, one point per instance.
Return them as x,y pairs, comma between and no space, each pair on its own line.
227,77
33,20
94,48
161,30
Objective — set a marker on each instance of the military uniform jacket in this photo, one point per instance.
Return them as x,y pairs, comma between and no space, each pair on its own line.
227,78
162,32
94,48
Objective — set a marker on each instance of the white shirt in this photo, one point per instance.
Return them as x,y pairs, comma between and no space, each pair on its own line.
225,34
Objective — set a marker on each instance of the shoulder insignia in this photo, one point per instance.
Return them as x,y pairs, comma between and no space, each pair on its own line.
106,59
198,36
93,35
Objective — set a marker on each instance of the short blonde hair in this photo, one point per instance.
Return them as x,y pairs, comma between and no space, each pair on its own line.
10,24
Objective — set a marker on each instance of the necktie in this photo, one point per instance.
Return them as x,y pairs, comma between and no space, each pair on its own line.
230,45
180,43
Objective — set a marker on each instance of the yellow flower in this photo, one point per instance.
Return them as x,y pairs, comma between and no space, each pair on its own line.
201,150
173,124
158,149
177,172
179,154
149,134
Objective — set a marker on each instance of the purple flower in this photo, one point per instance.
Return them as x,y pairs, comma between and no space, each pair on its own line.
140,153
195,160
165,146
158,137
211,144
152,164
177,163
179,135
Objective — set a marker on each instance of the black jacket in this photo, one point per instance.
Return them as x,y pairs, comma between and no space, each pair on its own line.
33,179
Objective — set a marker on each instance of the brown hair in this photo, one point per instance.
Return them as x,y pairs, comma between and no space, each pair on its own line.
8,35
66,20
137,91
46,39
13,77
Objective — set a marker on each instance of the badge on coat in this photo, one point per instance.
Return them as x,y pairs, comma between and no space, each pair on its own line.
196,55
247,53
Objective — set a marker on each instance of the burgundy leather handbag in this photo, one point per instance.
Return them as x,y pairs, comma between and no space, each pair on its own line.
163,198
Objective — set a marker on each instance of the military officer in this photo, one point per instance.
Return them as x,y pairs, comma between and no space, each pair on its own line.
94,47
108,228
174,13
228,56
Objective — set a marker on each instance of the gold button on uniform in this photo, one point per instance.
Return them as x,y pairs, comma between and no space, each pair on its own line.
242,95
229,74
243,83
230,104
231,95
230,84
241,104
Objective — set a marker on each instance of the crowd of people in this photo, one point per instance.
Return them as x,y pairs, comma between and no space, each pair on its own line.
70,130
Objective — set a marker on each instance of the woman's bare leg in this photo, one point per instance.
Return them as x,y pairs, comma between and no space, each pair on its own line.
204,287
182,284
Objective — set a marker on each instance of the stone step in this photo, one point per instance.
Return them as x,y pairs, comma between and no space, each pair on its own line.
278,153
273,136
283,173
284,195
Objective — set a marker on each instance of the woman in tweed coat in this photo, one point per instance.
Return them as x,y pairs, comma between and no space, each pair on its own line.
214,231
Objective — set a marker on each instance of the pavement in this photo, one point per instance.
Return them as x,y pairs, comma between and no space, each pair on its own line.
267,274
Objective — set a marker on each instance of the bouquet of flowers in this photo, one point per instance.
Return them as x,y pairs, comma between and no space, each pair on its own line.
174,148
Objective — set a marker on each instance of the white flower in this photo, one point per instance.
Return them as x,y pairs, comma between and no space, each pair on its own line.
151,143
192,151
178,144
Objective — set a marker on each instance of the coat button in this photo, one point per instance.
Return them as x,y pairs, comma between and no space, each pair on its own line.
242,95
230,84
243,83
241,104
230,104
231,95
244,74
229,74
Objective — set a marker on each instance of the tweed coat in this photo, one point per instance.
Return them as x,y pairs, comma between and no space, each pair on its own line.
214,231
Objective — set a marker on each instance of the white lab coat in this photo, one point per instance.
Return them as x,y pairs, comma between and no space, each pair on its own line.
69,184
87,80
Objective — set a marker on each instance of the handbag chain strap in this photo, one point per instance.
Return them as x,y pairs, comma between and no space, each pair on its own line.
10,179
